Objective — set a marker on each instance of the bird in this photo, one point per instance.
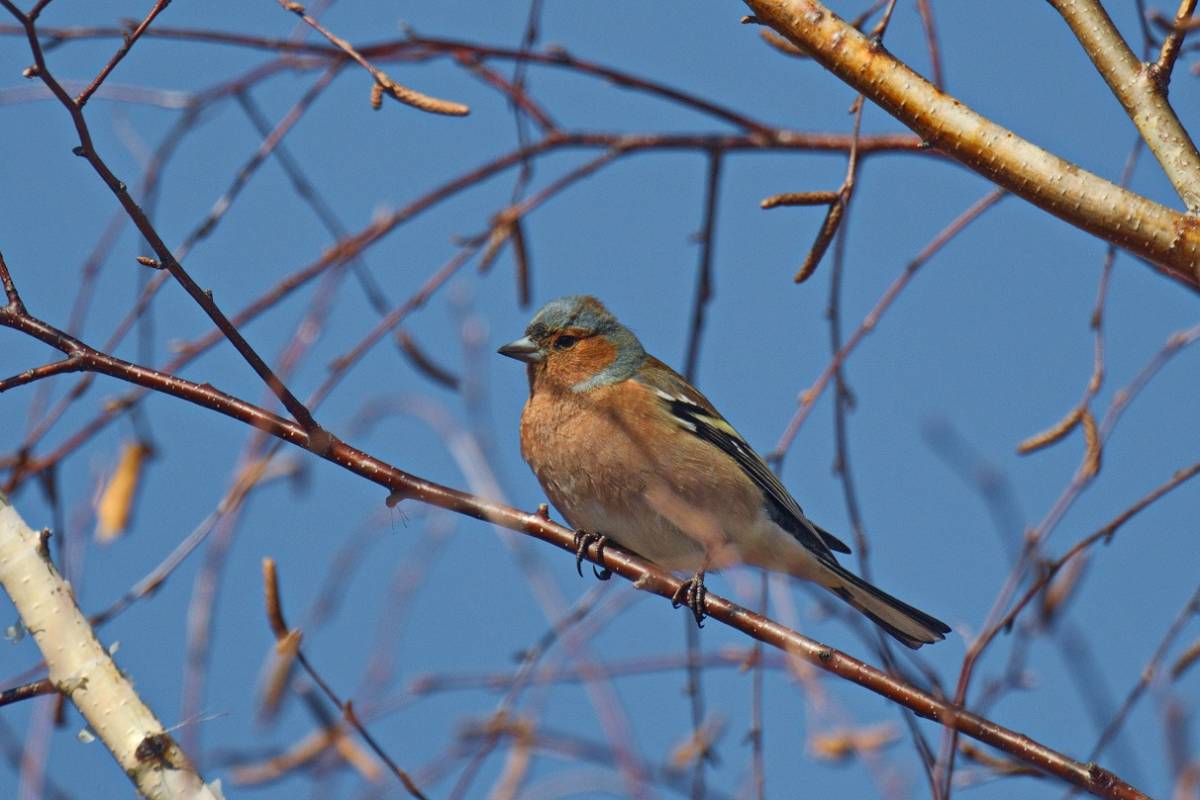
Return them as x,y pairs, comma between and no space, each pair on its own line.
630,452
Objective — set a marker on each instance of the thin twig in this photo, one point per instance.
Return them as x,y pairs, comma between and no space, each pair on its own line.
27,691
1162,68
129,40
704,269
404,94
204,299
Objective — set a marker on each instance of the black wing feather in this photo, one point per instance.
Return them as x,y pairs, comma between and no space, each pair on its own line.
697,415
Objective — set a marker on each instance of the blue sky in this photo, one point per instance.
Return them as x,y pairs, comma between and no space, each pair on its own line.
990,342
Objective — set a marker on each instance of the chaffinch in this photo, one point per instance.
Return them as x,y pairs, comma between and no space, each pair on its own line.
626,448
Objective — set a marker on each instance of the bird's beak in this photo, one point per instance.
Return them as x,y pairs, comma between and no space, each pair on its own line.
523,349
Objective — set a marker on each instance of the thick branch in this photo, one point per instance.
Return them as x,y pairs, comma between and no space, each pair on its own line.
1168,239
82,669
127,43
1138,88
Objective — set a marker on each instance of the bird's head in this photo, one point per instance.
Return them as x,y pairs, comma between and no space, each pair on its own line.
575,343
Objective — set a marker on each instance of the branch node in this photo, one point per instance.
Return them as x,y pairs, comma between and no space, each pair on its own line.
319,441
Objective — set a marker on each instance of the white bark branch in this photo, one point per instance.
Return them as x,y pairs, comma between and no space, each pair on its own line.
85,672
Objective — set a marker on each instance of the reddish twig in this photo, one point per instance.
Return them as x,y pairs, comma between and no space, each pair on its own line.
424,363
27,691
129,39
931,43
204,299
68,364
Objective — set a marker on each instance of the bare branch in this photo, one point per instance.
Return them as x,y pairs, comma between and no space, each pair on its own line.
84,671
1140,90
129,40
645,575
404,94
1167,238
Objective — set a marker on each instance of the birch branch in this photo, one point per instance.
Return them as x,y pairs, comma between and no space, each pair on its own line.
1141,92
84,671
1168,239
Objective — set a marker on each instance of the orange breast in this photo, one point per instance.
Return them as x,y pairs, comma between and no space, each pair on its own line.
605,449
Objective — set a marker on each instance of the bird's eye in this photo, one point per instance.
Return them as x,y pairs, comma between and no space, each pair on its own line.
565,342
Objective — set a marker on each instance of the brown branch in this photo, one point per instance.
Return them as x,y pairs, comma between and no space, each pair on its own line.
27,691
1185,661
931,42
129,39
645,575
520,98
1140,90
424,363
68,364
15,304
799,199
1151,231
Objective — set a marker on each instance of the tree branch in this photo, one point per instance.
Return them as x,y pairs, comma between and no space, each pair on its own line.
1167,238
166,258
644,575
1141,93
83,671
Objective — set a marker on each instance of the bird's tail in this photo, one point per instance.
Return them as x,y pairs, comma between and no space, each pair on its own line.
911,626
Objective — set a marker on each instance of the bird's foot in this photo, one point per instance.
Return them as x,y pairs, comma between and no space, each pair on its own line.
584,539
691,593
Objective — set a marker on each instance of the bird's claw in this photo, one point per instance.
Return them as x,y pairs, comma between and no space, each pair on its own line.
583,539
691,593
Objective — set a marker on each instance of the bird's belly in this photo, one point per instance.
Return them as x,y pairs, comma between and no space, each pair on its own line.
640,530
614,503
607,479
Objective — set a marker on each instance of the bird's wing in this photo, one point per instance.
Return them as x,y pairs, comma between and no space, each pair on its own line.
694,413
